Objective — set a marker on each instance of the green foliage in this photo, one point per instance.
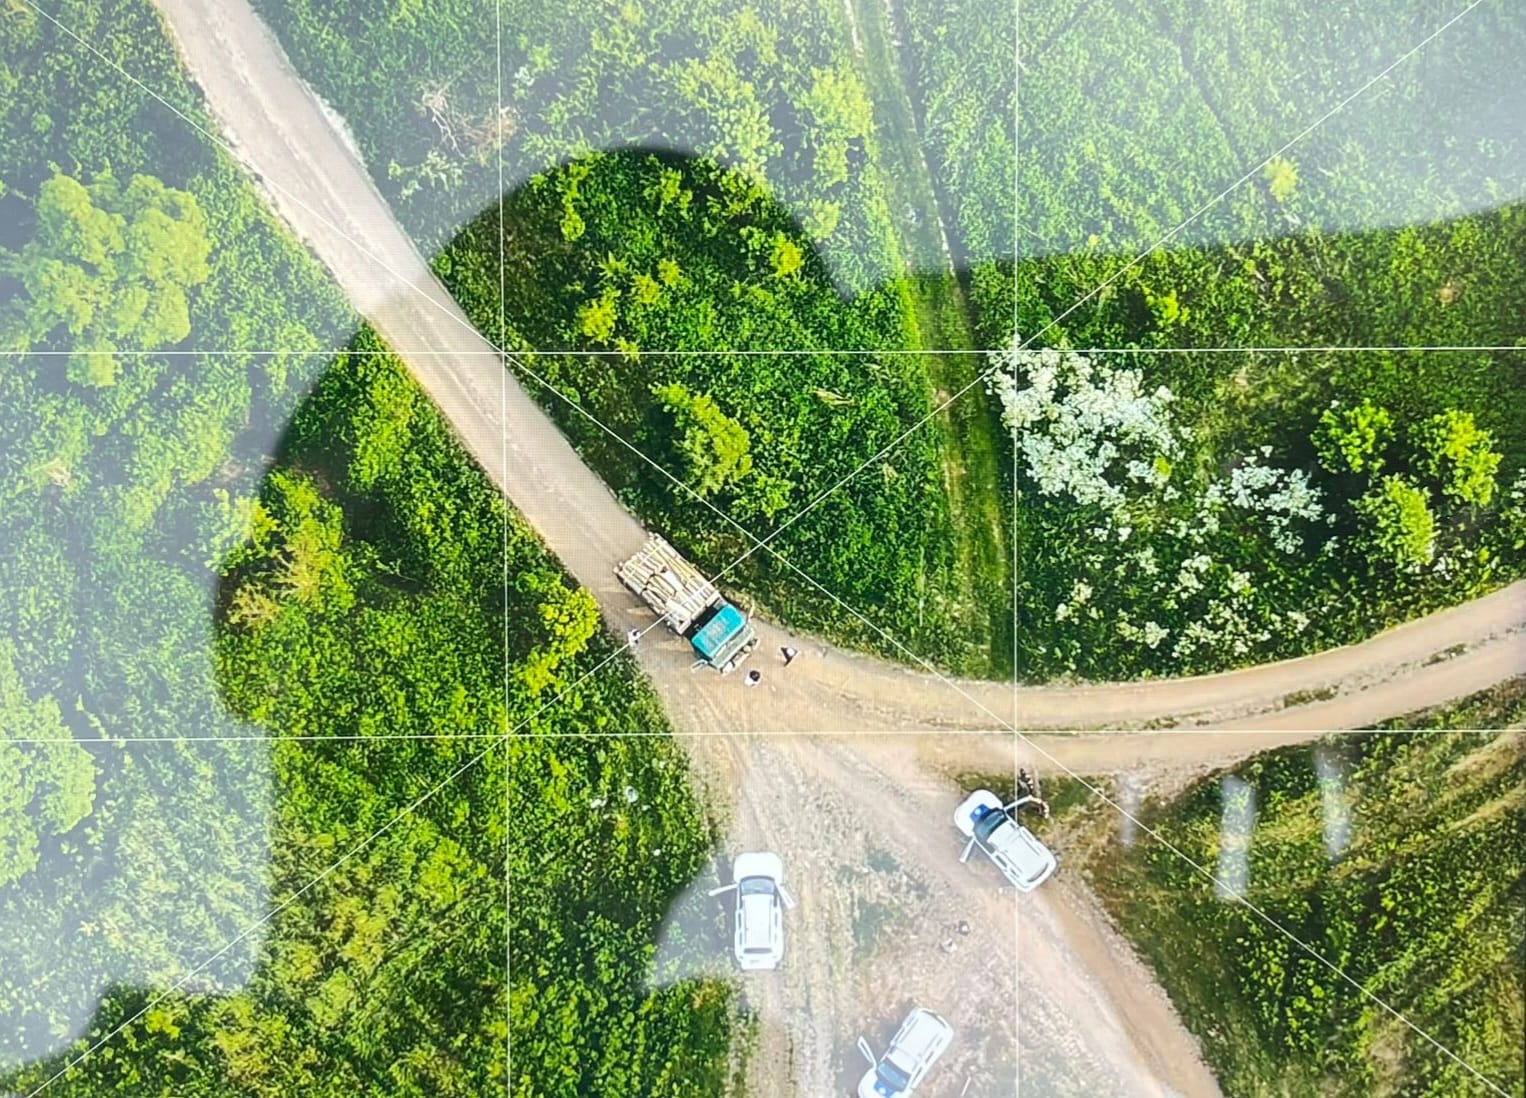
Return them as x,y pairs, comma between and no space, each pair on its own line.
109,265
383,614
713,446
1401,530
721,108
596,319
769,91
840,107
1353,439
787,257
1455,452
1281,177
362,592
49,786
684,256
1290,258
1396,859
965,80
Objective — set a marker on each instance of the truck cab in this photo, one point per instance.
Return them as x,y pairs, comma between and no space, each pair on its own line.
722,637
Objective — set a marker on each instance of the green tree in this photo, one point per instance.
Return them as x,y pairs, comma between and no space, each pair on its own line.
110,266
724,111
1281,177
1353,439
570,618
715,448
1458,455
787,257
840,107
49,784
1401,531
596,318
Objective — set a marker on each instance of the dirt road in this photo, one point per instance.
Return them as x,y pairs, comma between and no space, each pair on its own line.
1042,997
1082,1010
313,179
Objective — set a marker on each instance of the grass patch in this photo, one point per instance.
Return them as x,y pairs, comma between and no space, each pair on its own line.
1397,858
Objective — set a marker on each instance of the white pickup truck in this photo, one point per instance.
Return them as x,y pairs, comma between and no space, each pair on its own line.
1016,851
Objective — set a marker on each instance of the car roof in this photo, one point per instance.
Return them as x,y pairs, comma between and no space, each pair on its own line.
1014,843
918,1035
757,912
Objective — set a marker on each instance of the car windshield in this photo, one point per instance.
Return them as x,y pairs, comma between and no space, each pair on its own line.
755,886
892,1079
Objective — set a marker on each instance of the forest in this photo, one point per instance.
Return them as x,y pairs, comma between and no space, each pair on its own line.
1394,855
259,605
256,607
736,151
680,253
649,298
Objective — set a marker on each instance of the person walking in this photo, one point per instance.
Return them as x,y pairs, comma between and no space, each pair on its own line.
632,638
789,654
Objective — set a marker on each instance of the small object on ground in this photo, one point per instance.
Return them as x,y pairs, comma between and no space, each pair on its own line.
633,638
963,927
789,654
753,677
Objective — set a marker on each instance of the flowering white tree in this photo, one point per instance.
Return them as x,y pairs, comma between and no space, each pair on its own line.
1279,496
1085,430
1096,436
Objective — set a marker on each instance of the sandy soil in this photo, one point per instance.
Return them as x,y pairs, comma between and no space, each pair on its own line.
1043,996
866,941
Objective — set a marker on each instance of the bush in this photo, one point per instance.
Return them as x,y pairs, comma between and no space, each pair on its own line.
1401,529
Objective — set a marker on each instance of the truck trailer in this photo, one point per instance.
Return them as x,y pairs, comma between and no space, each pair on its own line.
689,604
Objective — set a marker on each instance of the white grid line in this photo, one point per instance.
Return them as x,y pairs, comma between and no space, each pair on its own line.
500,738
73,1062
508,753
1017,918
1020,344
827,352
1031,730
1216,199
1240,897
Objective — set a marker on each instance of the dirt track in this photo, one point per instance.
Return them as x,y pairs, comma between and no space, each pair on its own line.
321,189
1083,1009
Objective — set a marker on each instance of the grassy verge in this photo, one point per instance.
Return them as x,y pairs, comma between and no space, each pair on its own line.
1396,858
974,443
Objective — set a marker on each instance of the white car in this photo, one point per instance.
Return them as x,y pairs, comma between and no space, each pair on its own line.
913,1050
758,880
1017,852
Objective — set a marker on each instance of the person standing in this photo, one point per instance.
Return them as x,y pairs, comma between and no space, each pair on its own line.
632,638
753,677
789,654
